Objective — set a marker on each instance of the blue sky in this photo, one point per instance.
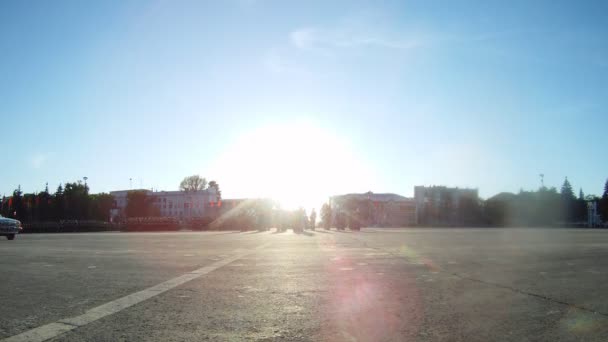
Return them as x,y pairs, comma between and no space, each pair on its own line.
480,94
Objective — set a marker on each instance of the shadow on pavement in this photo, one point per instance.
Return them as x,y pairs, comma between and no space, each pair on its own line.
256,232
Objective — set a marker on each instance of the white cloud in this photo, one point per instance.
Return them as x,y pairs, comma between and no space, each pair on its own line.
355,32
311,38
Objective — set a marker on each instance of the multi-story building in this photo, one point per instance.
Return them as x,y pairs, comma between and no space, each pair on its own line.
178,204
441,205
381,210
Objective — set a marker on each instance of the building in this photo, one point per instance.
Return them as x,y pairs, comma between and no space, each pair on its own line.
380,210
440,205
593,217
178,204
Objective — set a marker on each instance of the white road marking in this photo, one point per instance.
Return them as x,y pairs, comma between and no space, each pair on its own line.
51,330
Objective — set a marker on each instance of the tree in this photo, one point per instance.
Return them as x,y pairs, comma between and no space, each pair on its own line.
139,204
313,218
214,185
58,206
568,201
567,193
469,211
100,206
17,208
326,215
76,197
43,205
581,194
193,183
604,203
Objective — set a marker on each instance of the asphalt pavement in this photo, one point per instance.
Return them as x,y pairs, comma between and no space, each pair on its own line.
374,285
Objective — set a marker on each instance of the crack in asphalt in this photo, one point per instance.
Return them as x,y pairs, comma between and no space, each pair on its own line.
498,285
528,293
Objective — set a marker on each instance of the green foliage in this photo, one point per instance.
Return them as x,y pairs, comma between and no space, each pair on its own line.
58,204
568,205
603,208
100,206
567,192
76,200
139,204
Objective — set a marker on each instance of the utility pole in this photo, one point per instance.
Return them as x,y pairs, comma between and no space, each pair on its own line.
542,180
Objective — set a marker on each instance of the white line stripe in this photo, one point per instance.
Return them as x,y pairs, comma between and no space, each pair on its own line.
48,331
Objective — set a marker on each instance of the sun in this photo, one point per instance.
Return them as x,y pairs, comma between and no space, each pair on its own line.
297,164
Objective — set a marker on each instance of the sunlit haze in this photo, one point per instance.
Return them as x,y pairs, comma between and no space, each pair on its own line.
282,161
302,100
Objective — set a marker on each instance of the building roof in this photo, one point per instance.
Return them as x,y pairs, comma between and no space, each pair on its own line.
384,197
164,193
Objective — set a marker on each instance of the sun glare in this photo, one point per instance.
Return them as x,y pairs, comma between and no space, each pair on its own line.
297,164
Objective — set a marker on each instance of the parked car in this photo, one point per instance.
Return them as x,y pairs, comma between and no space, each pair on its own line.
9,227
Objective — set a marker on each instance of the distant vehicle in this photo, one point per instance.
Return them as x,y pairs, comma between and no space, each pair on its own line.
9,227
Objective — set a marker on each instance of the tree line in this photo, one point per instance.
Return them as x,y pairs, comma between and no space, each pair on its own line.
543,207
71,201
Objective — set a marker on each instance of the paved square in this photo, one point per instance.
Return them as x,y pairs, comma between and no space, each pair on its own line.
373,285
